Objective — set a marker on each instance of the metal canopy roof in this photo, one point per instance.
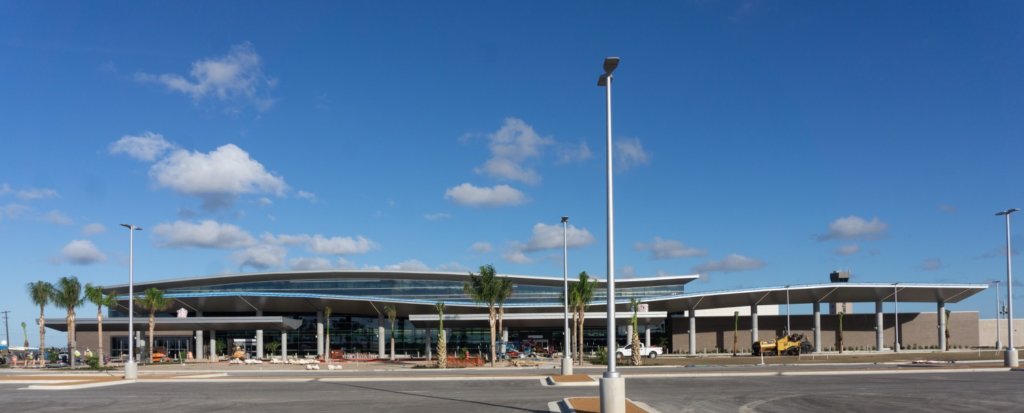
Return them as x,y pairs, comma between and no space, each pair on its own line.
175,324
385,275
529,319
825,293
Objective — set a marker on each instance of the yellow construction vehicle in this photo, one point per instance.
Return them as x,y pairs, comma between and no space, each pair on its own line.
789,345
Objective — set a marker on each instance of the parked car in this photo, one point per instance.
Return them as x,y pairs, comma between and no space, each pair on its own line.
650,352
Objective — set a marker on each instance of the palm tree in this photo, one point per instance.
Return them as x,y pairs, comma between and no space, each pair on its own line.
67,293
24,332
580,295
153,300
95,295
392,313
442,344
327,316
635,339
273,346
486,289
504,292
40,292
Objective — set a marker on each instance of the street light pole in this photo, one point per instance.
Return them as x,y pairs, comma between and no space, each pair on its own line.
1010,359
131,370
613,385
999,343
566,353
788,331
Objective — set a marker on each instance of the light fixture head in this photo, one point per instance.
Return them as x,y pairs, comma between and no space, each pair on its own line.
565,219
610,63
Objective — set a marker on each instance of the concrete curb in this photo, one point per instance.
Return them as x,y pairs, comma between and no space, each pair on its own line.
563,406
550,382
80,386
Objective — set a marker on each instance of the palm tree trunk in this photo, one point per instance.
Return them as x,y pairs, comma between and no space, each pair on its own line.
42,337
580,337
152,325
490,319
501,319
71,337
99,332
572,338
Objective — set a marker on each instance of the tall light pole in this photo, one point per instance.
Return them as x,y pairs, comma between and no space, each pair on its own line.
613,386
896,313
1010,359
566,354
131,370
788,331
999,343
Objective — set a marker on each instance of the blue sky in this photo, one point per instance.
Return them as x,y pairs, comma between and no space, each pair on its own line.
757,143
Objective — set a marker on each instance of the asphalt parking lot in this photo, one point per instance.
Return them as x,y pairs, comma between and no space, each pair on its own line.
914,392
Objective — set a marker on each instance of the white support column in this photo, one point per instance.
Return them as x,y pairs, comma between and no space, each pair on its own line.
199,345
380,336
504,340
753,323
213,345
817,326
430,350
259,339
319,333
942,325
647,335
629,334
693,332
284,345
879,326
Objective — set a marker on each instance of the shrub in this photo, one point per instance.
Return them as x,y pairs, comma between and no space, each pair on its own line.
93,362
601,357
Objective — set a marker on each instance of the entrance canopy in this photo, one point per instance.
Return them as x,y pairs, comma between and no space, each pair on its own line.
517,320
120,324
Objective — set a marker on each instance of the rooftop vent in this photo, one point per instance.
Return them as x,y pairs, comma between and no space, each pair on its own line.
839,276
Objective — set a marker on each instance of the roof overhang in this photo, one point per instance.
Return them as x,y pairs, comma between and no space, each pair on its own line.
529,319
181,324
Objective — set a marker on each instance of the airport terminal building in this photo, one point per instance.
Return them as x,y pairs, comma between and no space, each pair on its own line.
210,315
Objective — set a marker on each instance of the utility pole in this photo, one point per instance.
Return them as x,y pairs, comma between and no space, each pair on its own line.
7,330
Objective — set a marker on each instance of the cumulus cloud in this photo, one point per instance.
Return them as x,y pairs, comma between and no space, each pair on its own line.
57,217
664,249
511,146
14,211
340,245
630,153
237,76
731,263
550,237
30,194
574,153
496,196
627,271
516,255
260,256
146,147
932,264
437,216
452,267
217,177
949,209
408,265
309,196
310,264
204,234
854,227
481,247
999,252
93,229
82,252
848,249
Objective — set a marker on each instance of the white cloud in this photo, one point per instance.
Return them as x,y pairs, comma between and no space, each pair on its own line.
5,189
310,264
57,217
93,229
515,255
340,245
848,249
452,267
629,153
574,153
32,194
146,147
408,265
260,256
236,76
854,227
82,252
663,249
627,271
481,247
205,234
309,196
512,145
217,177
731,263
932,264
498,195
550,237
265,201
14,211
437,216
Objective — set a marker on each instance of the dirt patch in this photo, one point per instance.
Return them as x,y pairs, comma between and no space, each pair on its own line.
593,405
572,378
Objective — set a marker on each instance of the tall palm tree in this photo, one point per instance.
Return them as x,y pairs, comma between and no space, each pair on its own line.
327,316
24,332
442,338
635,337
40,292
67,293
485,289
581,293
504,292
391,313
95,295
153,300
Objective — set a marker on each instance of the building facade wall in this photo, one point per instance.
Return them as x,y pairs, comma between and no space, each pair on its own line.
987,332
917,330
